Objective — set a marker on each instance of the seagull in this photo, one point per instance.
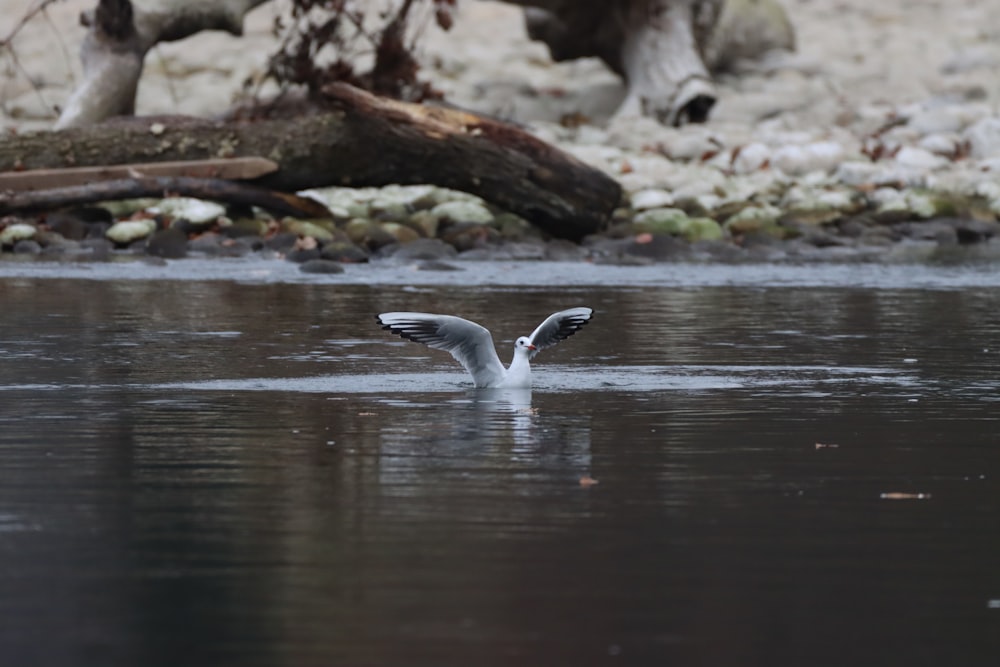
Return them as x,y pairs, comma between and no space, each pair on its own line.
472,345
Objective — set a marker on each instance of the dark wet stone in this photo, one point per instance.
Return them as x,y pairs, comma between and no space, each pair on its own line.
97,230
27,247
209,243
511,251
369,234
892,216
47,238
854,227
418,249
522,250
91,214
95,249
437,265
153,261
467,235
974,231
169,243
243,227
239,247
321,266
344,252
757,240
560,250
302,255
57,245
719,251
67,225
281,241
821,239
658,247
186,226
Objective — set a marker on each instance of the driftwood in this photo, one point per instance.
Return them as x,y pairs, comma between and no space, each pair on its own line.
278,203
42,179
363,140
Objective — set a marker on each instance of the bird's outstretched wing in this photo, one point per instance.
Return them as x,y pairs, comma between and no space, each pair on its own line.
559,326
470,343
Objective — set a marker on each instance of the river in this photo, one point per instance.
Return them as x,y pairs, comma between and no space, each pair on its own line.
229,463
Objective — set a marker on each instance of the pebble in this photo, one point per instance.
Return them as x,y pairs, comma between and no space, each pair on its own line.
919,158
344,252
796,160
651,198
983,137
129,231
750,158
27,247
321,266
461,211
420,249
15,232
167,243
195,211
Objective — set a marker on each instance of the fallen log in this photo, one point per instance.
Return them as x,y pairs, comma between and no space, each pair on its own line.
359,140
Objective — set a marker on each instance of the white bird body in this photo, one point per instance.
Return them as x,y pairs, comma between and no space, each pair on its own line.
472,344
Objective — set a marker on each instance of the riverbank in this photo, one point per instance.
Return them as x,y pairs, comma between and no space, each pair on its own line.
879,138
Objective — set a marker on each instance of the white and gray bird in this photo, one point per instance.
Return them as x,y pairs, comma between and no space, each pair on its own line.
472,344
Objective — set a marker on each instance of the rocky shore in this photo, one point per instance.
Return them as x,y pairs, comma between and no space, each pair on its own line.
879,139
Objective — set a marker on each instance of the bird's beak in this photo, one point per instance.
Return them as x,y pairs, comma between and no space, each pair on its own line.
531,347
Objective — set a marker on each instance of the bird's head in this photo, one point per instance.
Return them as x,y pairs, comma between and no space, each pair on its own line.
524,343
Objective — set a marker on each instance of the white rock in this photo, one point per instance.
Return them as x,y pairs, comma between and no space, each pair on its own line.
693,145
401,194
887,197
463,211
862,173
818,198
821,156
127,231
991,164
938,120
940,144
19,231
651,198
750,158
696,181
984,138
196,211
343,202
918,158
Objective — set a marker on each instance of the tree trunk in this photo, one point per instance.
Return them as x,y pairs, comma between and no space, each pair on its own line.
656,45
117,41
364,141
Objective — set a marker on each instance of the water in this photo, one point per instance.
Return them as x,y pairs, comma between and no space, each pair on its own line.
250,472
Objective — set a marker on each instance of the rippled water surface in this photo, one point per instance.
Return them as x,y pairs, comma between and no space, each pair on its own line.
728,469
